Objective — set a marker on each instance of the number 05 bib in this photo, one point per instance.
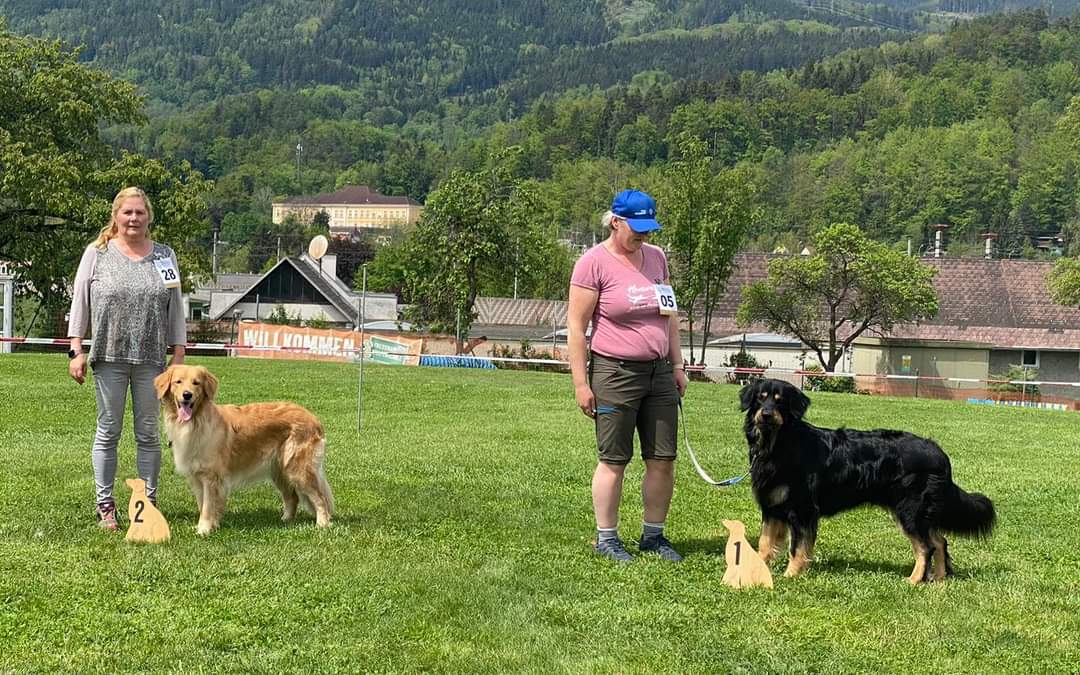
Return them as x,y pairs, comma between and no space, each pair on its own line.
665,299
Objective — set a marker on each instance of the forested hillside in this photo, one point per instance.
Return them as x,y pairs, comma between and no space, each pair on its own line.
831,118
409,55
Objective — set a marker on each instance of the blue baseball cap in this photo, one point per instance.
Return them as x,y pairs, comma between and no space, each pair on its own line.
638,209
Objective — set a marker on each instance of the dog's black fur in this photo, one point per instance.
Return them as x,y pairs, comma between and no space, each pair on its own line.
801,472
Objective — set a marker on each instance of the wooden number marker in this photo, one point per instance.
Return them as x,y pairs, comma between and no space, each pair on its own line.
147,526
744,566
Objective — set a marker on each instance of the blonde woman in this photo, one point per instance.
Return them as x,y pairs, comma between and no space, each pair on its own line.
630,377
127,293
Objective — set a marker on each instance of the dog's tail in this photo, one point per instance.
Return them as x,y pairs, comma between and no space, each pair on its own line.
324,488
968,513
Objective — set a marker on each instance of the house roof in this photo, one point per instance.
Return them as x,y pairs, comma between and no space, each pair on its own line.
1000,303
234,281
330,287
520,312
758,340
350,194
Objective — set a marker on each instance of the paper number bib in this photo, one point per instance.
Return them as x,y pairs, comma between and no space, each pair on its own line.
170,276
665,299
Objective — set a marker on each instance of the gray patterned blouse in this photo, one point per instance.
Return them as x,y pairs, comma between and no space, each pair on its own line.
133,317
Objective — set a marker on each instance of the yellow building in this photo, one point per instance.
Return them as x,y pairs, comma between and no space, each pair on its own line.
351,207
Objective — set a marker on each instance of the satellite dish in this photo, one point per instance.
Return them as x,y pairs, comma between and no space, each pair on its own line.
317,248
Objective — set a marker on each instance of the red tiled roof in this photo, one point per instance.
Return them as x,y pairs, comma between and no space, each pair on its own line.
520,312
1003,303
352,194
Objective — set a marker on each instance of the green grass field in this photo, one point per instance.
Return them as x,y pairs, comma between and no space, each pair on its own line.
461,543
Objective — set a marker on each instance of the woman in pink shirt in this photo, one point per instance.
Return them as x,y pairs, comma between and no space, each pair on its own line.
634,378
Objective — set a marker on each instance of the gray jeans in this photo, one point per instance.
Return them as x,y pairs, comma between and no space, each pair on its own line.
111,382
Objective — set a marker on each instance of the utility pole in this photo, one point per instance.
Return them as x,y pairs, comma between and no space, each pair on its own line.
361,316
517,254
299,151
213,267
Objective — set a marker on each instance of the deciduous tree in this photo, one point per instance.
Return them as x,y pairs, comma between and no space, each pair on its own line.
470,225
850,285
1064,281
706,217
57,176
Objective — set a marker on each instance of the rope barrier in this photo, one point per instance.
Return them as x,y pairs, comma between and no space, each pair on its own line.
557,362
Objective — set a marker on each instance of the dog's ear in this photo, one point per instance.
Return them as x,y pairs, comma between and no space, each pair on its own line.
748,395
161,383
797,401
210,383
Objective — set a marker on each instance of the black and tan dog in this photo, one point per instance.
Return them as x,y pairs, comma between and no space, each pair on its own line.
801,472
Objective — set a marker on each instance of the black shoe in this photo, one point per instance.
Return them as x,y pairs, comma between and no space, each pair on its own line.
659,545
613,548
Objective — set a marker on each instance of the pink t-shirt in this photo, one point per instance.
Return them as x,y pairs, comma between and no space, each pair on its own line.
627,323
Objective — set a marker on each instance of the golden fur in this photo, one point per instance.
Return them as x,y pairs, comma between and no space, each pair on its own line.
221,447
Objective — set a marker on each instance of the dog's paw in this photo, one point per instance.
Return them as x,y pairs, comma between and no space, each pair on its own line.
204,529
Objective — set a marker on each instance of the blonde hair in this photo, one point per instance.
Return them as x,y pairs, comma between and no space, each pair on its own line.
109,231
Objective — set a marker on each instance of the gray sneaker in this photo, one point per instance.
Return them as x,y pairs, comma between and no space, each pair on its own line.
613,548
661,546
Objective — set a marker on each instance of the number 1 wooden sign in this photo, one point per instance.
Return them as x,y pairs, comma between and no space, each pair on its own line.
745,567
147,526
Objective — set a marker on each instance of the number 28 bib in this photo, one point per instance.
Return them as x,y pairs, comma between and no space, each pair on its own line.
170,276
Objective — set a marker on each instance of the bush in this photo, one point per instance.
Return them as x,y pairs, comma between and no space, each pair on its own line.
525,351
280,317
320,322
209,331
742,359
840,385
1016,373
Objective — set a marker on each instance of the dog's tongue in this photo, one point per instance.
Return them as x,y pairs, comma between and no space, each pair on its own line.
184,410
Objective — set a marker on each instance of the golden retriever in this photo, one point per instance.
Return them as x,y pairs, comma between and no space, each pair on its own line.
221,447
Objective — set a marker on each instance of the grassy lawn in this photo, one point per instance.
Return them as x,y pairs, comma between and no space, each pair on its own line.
461,543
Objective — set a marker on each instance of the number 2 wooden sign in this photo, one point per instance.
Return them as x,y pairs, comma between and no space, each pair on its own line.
147,526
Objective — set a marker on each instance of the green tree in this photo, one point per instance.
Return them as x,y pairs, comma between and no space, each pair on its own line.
57,175
849,286
723,230
638,142
686,197
706,220
470,225
1064,282
388,269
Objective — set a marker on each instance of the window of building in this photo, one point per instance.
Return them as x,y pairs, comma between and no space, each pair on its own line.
1030,358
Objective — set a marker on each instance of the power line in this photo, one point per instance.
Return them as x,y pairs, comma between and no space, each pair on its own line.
829,6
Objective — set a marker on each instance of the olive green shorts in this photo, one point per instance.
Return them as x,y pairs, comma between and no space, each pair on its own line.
633,395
